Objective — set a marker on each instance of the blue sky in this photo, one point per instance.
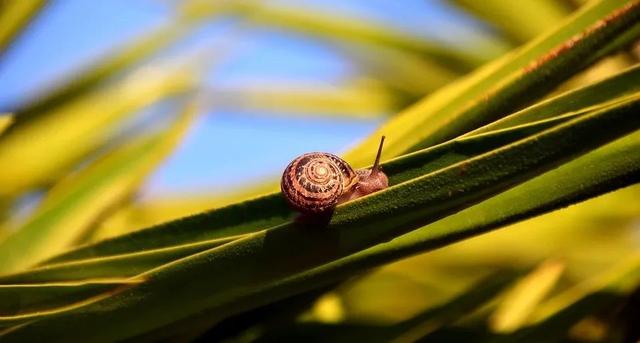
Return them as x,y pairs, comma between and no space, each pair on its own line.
225,148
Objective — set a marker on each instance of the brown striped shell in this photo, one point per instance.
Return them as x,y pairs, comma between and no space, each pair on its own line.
314,182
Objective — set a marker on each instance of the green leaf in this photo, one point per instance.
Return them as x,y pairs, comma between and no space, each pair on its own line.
26,301
14,17
123,265
87,122
74,204
508,84
267,258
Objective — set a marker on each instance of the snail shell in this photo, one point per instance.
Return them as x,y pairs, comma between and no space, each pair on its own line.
314,182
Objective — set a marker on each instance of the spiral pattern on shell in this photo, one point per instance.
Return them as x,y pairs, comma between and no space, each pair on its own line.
314,182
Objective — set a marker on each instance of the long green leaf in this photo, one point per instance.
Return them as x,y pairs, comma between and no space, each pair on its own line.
606,90
508,84
124,265
266,257
26,300
73,205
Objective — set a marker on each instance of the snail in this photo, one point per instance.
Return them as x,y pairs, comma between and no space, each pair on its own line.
314,183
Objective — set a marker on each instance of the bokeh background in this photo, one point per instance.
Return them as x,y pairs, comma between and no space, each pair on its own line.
234,144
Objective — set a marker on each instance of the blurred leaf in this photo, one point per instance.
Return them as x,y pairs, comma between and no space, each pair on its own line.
35,152
100,71
556,316
518,304
74,204
14,17
407,331
246,264
332,26
359,98
6,119
471,299
622,278
405,72
508,84
521,20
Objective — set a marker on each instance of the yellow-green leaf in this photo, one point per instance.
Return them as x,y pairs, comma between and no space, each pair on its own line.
37,153
75,203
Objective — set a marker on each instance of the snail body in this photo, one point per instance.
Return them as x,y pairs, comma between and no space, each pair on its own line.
316,182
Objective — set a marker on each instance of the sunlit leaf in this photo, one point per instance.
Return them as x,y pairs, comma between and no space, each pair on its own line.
526,294
360,99
14,16
36,152
5,120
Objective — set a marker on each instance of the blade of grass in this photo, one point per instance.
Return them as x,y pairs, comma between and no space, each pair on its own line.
249,262
507,84
74,204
